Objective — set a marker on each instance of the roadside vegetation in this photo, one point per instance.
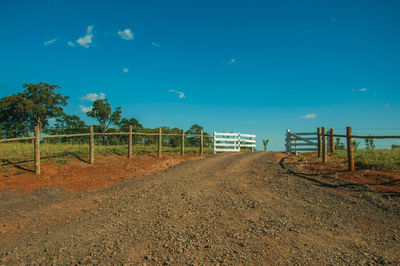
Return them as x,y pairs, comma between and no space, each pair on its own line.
369,157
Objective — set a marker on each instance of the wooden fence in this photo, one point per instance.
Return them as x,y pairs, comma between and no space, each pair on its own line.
326,143
37,136
231,142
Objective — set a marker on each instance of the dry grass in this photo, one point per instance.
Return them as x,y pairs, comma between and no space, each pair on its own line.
374,159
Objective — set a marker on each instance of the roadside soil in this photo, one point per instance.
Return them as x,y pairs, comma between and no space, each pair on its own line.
378,181
238,208
78,175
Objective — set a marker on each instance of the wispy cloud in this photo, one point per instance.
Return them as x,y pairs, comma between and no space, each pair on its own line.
125,70
69,43
181,95
50,42
92,97
155,44
85,109
86,40
363,89
309,116
231,62
126,34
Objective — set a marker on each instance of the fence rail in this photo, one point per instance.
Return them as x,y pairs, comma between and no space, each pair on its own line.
232,142
325,143
37,137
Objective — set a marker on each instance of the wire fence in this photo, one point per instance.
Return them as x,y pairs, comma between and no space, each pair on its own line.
84,143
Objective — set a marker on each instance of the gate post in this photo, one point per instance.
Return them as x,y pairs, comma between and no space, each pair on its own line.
239,141
214,142
288,148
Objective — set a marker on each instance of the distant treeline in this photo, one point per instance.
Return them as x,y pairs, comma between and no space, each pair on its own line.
39,104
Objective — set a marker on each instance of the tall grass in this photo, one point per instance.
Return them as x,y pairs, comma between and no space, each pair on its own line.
382,159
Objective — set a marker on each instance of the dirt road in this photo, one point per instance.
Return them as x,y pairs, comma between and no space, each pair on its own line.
248,208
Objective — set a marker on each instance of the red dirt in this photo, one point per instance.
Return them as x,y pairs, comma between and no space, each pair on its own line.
382,181
77,175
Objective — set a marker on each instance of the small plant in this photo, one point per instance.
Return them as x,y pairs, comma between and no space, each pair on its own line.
369,144
356,144
265,143
338,144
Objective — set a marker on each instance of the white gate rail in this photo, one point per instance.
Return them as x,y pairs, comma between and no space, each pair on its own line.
231,142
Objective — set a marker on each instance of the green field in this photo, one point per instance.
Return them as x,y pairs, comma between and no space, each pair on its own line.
60,152
374,159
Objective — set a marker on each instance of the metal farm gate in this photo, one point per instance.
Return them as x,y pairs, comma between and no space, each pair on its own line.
231,142
303,141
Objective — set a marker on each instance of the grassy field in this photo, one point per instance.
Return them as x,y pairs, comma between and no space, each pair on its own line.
61,152
374,159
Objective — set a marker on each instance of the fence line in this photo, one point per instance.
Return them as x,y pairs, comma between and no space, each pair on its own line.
323,142
37,136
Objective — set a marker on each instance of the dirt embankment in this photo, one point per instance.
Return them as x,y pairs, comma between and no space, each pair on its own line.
248,208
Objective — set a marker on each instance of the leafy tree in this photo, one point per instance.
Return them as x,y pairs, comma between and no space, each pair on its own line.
101,111
35,106
265,143
195,141
42,102
13,118
125,123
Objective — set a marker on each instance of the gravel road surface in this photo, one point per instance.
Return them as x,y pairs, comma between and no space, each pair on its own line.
242,208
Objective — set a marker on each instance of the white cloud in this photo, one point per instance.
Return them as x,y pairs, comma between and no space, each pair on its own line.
363,89
69,43
86,40
155,44
92,97
232,62
85,109
125,70
50,41
126,34
309,116
181,95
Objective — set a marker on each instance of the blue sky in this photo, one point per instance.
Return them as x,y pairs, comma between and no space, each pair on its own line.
251,66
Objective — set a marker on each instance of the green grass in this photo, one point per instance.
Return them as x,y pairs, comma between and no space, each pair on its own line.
62,152
374,159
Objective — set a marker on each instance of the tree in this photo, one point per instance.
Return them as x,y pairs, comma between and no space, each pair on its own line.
196,130
35,106
13,118
42,102
265,143
125,123
101,111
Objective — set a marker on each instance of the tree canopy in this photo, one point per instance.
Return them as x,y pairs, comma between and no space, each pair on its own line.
101,111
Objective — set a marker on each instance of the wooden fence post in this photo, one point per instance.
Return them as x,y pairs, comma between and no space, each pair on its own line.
201,142
350,154
319,142
324,145
332,138
91,145
159,142
37,149
130,142
183,142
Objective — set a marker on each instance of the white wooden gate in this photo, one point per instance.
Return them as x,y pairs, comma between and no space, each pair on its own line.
231,142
